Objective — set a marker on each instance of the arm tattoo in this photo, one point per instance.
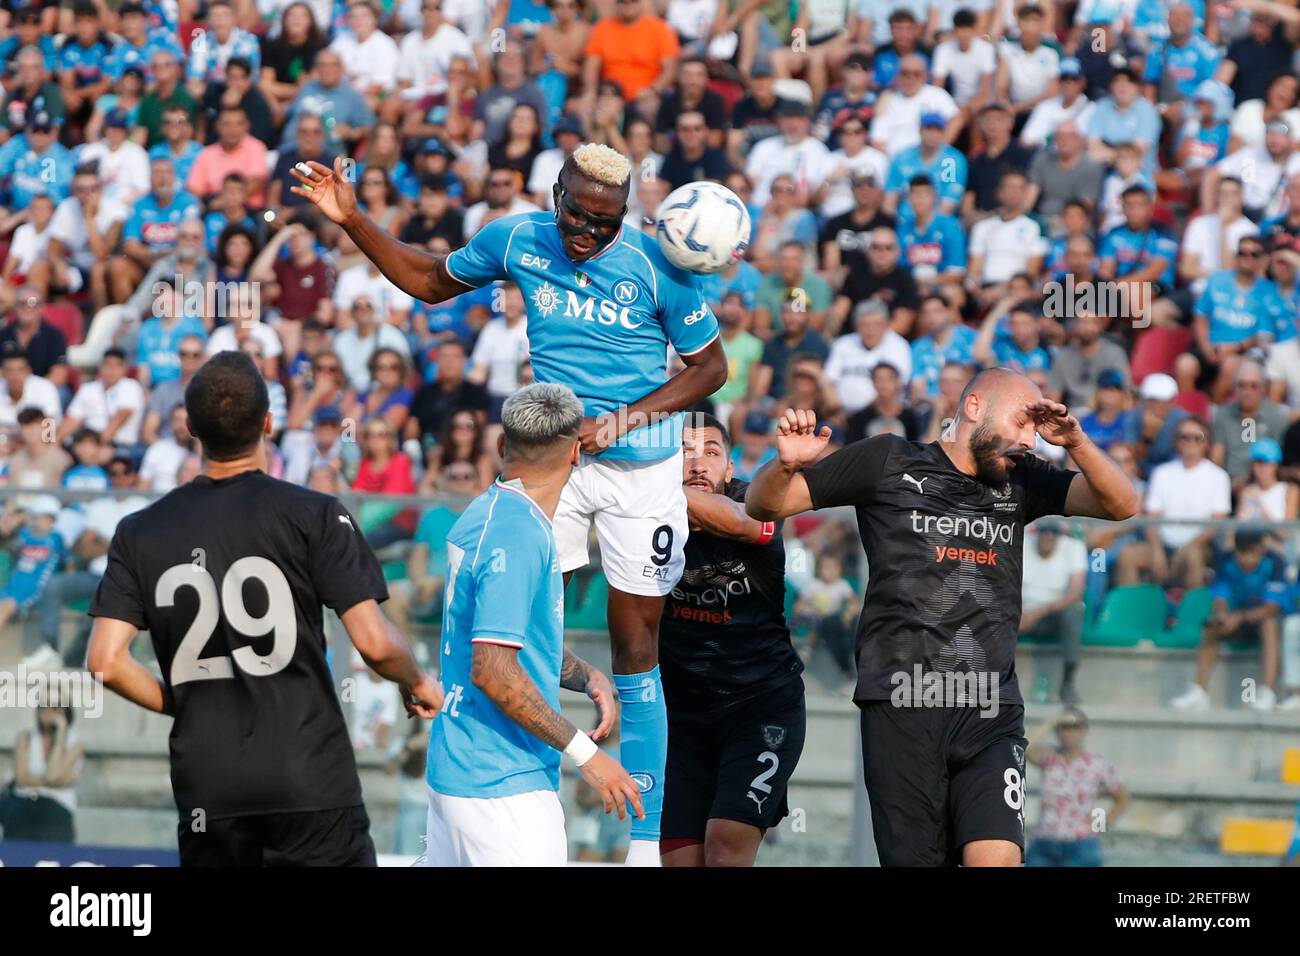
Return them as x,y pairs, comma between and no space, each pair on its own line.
497,673
573,672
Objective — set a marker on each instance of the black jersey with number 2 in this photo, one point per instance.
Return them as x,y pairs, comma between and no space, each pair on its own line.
723,635
944,553
229,578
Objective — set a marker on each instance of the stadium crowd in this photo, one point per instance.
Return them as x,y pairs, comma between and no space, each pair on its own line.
1104,195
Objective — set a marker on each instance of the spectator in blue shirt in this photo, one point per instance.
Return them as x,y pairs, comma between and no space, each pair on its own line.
152,229
1124,117
934,244
157,357
139,42
1111,421
1238,309
933,157
1177,66
1139,251
944,340
35,162
83,60
1014,344
179,144
216,46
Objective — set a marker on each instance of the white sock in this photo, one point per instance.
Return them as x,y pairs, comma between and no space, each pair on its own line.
642,853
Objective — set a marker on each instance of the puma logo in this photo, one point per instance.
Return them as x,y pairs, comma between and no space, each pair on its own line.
918,483
756,800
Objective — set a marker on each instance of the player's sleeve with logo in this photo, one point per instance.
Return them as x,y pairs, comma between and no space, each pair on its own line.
688,320
344,569
120,594
510,564
483,258
1045,487
851,475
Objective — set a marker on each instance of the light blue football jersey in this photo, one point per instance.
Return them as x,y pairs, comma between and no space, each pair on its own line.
504,587
601,327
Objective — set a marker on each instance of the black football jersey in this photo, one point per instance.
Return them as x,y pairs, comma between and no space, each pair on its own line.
229,578
945,557
723,635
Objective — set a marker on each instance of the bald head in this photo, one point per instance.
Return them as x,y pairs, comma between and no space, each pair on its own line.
996,385
995,422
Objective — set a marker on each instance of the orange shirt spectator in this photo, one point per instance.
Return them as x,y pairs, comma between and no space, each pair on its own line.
633,52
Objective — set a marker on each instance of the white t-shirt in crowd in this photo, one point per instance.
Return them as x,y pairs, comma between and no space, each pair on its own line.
475,213
162,462
28,246
1284,366
966,67
1261,177
897,123
365,280
123,171
1203,236
1051,113
372,63
1199,492
1029,72
850,363
37,392
545,171
69,227
423,61
95,406
223,340
839,192
804,162
354,351
501,349
1047,579
1006,245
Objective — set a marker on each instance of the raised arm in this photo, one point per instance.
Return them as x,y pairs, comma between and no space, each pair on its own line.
1101,489
495,670
721,516
416,272
779,490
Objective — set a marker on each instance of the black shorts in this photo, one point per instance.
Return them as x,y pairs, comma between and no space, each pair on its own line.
941,777
338,837
733,764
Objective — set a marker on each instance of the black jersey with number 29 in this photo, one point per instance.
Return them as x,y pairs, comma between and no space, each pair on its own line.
229,578
944,554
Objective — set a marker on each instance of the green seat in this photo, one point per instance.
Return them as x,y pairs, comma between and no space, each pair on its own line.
1128,616
1190,618
587,610
81,607
394,571
6,565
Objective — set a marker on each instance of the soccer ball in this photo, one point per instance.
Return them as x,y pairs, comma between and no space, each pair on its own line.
703,227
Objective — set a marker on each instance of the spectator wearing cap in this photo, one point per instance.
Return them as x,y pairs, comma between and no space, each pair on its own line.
239,89
1179,63
1202,139
1015,343
139,42
1265,496
854,159
886,278
345,113
235,151
323,450
1071,103
1006,244
1159,415
793,153
897,121
1077,365
1029,67
1110,421
845,238
855,354
1237,311
1001,154
691,158
30,91
112,404
24,389
1247,418
1250,591
933,156
122,163
933,243
968,61
44,345
167,92
691,93
83,233
784,220
1074,780
753,119
34,162
1263,171
854,97
435,216
370,56
636,49
1125,116
1063,172
545,171
1188,488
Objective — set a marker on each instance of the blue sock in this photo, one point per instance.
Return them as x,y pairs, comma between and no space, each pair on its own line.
643,751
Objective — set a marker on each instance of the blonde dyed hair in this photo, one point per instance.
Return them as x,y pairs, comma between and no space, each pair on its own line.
601,164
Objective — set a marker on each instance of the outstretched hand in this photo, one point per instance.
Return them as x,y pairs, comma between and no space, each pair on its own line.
798,441
329,189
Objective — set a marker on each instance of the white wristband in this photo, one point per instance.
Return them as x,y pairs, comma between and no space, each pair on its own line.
581,748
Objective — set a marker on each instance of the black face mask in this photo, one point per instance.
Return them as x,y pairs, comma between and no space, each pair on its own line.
575,221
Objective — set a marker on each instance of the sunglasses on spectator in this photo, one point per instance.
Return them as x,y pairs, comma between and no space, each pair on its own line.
191,353
388,367
1251,253
461,476
1192,436
331,367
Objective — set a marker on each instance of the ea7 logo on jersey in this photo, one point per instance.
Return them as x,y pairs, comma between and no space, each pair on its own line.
528,259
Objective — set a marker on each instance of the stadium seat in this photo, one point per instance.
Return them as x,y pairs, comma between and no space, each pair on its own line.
1188,621
1291,765
1246,837
67,318
589,612
1128,616
394,571
1157,349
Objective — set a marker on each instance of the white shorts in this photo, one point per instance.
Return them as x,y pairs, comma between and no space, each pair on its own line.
526,829
640,513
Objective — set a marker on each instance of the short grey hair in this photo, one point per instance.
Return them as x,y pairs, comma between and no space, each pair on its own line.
870,307
541,415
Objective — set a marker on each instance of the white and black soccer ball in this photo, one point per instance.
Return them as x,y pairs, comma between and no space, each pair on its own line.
703,227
